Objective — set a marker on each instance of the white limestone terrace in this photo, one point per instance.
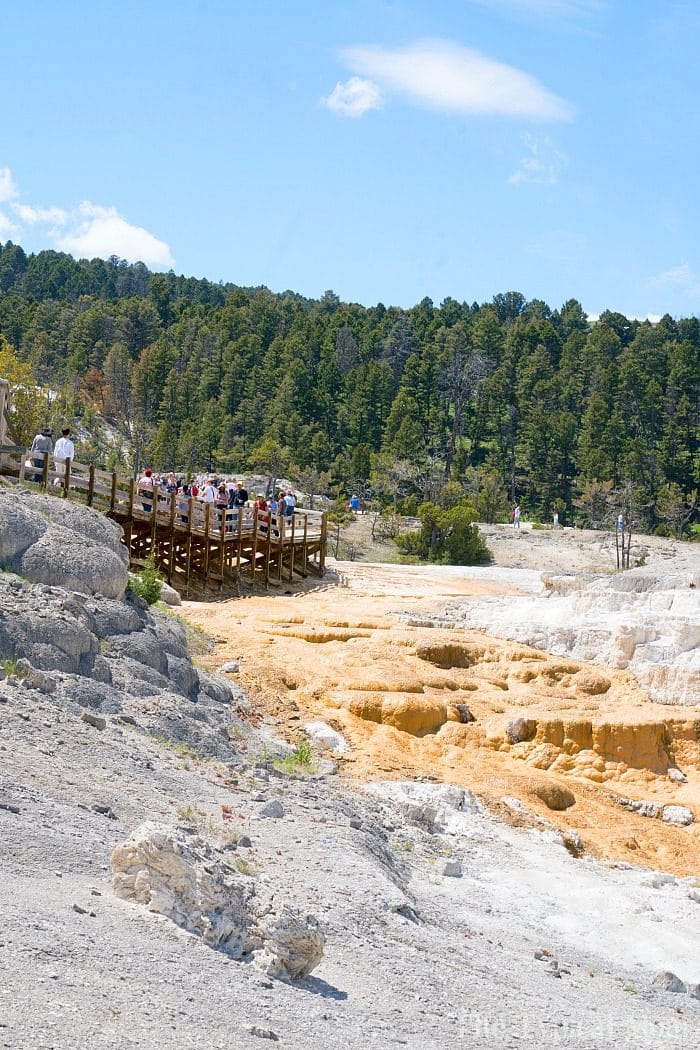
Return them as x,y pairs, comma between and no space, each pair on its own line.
609,914
646,621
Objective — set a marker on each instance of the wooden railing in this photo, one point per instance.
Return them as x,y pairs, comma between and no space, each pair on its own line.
5,428
124,499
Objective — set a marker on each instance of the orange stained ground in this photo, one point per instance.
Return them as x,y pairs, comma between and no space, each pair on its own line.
365,655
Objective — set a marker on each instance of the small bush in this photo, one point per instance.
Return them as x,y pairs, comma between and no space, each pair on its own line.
147,583
14,667
301,758
408,542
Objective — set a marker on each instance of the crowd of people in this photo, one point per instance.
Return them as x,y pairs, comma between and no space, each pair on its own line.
222,494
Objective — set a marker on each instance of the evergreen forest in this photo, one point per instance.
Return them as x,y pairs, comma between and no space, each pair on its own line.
497,402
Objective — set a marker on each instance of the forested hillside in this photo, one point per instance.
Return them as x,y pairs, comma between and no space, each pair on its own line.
505,400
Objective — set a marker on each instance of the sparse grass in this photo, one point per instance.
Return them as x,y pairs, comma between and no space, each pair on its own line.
199,642
189,814
13,666
245,867
301,759
632,989
236,732
180,747
405,846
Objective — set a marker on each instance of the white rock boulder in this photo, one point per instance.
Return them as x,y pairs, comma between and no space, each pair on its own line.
181,876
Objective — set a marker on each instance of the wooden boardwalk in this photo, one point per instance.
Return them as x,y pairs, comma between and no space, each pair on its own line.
196,546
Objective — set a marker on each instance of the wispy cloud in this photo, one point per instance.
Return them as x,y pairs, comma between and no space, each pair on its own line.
547,8
683,277
56,216
8,189
88,230
542,163
446,76
354,98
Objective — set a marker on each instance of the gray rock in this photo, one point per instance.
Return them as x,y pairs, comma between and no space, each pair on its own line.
676,775
169,595
452,869
679,816
261,1033
273,809
61,558
20,527
693,990
521,729
644,809
94,720
668,982
230,667
216,689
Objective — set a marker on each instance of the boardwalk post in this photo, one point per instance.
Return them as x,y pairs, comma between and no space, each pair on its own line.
292,551
207,516
322,551
254,562
91,485
66,478
238,552
305,571
45,471
22,465
171,553
189,545
113,496
130,519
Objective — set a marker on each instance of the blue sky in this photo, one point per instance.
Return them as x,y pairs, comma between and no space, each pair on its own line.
389,150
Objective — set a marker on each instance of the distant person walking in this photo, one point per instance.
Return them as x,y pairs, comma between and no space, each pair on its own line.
555,520
65,449
620,522
516,516
42,443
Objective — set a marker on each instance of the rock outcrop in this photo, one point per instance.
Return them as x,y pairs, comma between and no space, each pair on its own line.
52,541
183,877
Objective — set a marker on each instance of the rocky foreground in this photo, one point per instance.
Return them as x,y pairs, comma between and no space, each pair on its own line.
172,874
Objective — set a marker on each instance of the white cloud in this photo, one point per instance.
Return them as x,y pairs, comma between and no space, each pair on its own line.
547,8
8,190
88,231
354,98
101,232
7,227
55,216
445,76
542,164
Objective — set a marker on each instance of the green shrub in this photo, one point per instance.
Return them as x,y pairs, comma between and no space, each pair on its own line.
301,758
409,542
147,583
